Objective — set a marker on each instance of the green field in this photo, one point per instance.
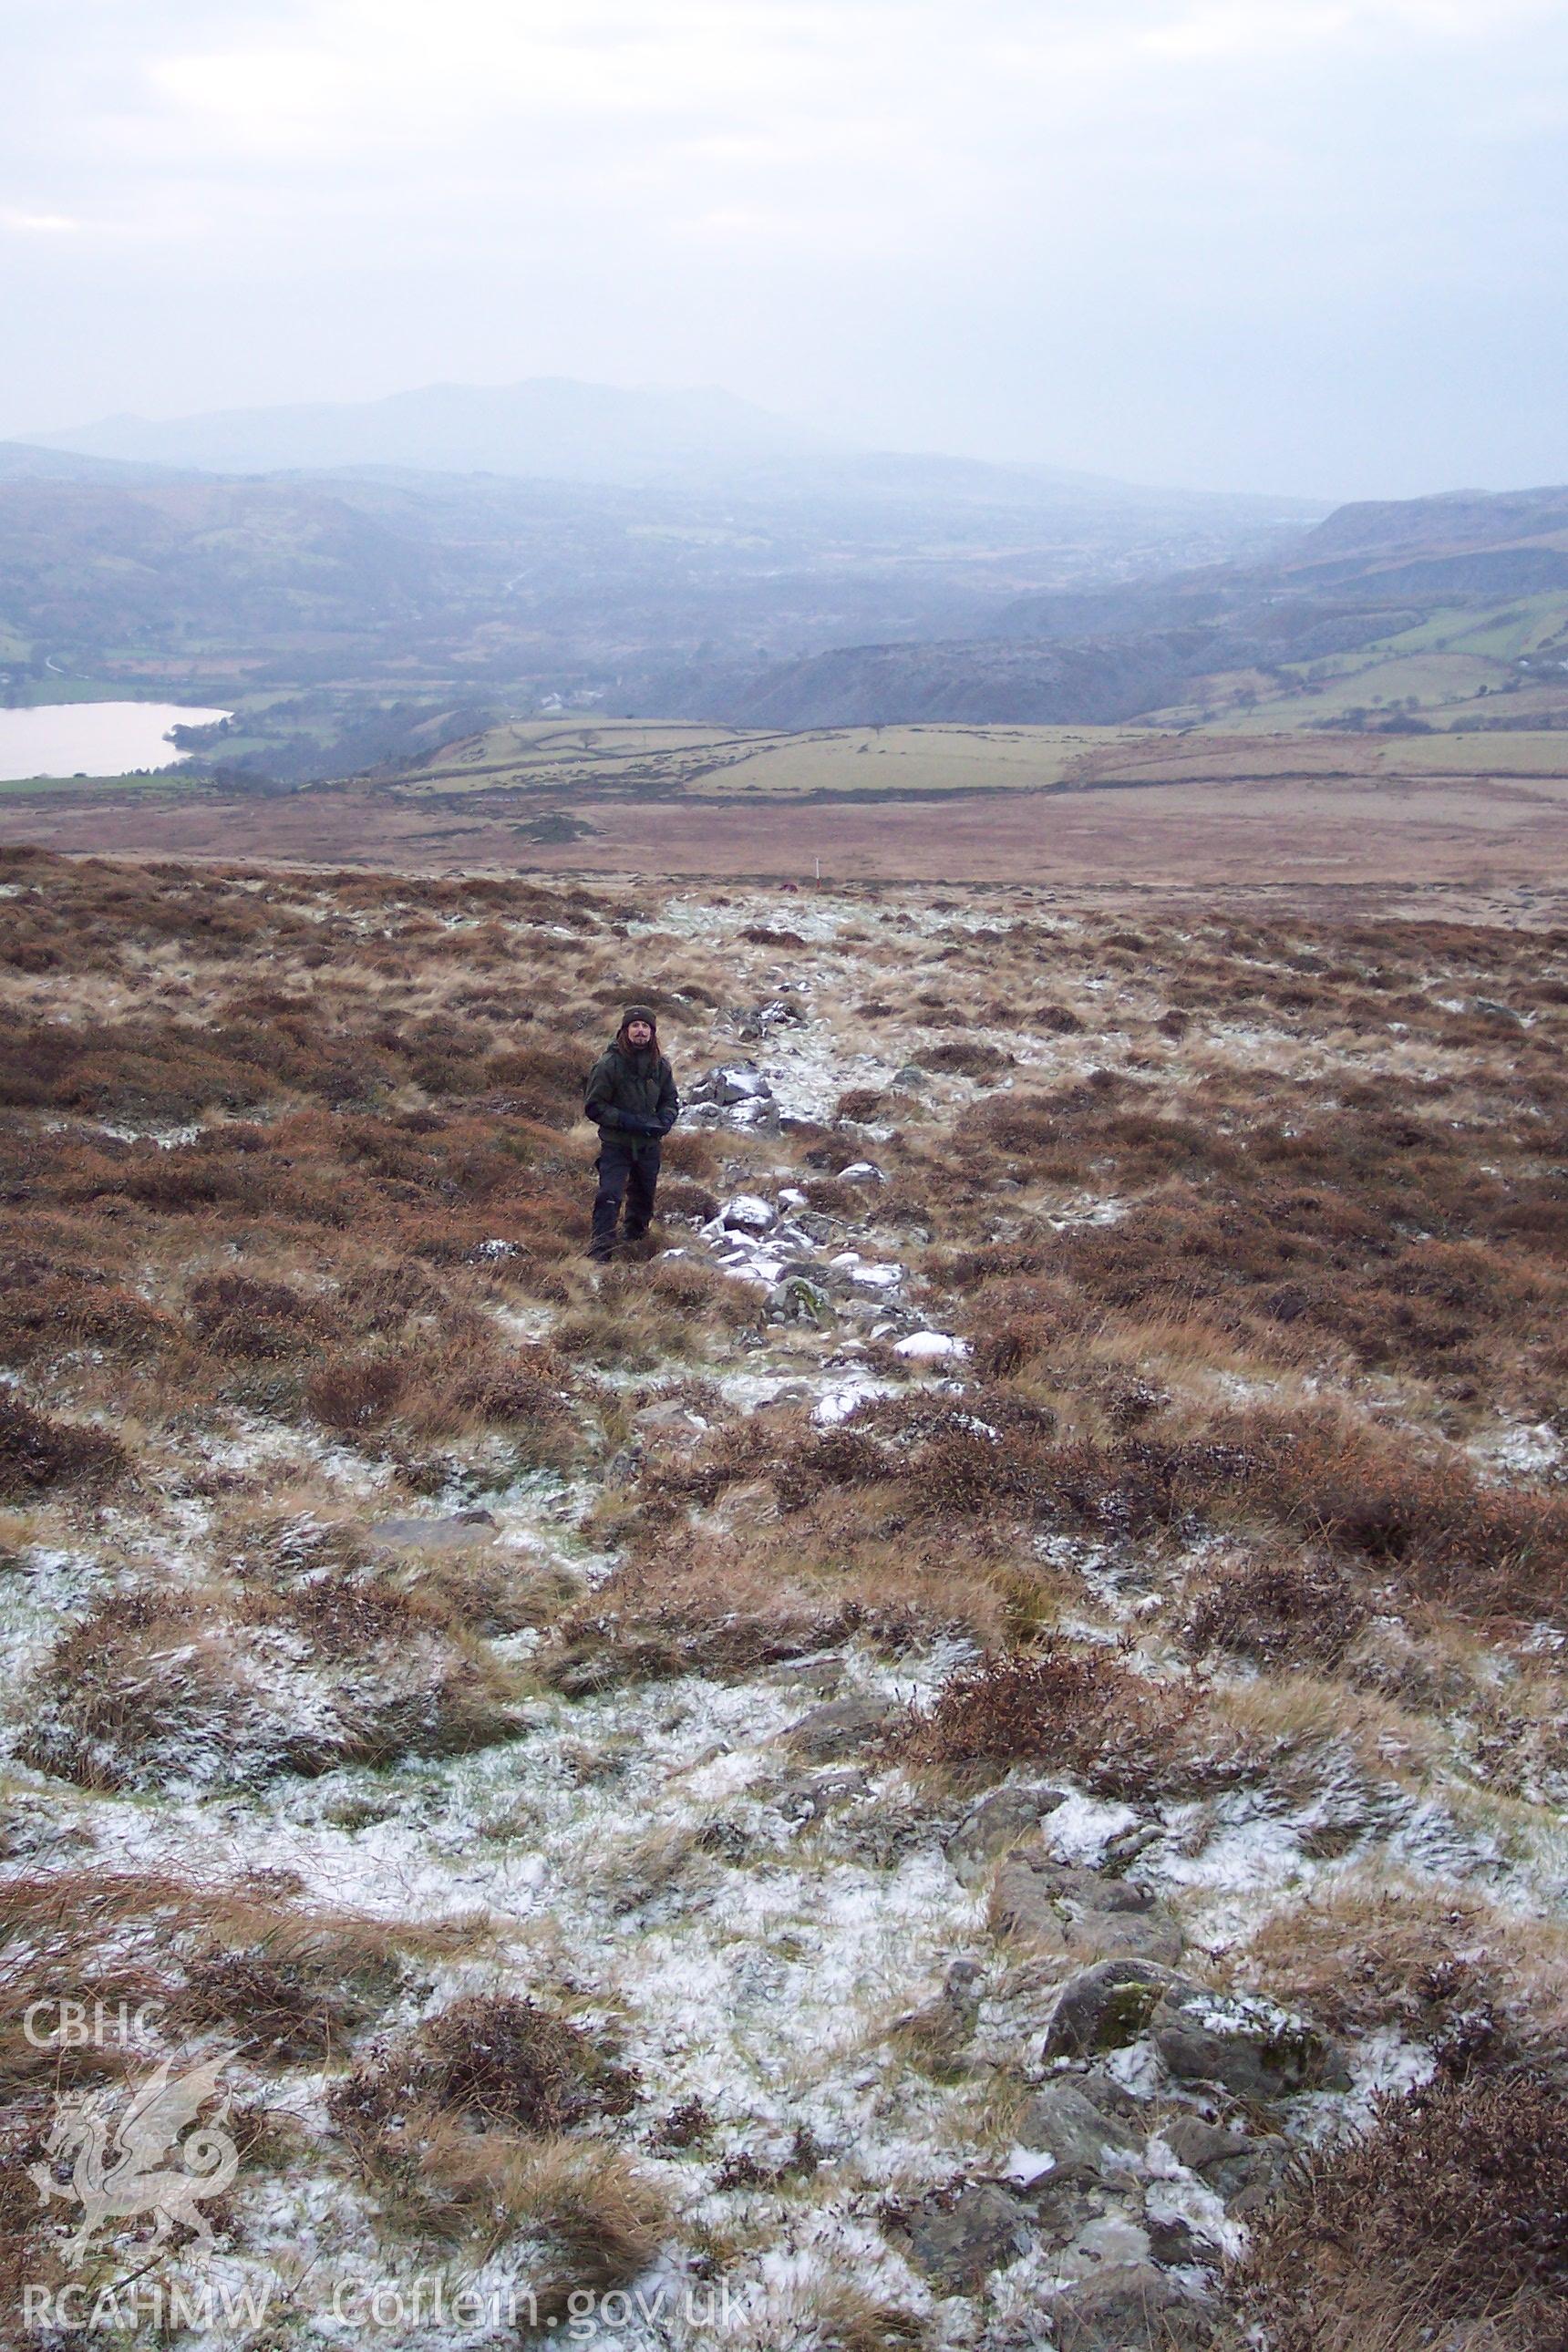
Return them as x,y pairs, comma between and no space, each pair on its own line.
637,760
653,760
1451,666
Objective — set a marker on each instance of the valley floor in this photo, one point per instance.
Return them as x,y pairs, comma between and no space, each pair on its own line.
1475,835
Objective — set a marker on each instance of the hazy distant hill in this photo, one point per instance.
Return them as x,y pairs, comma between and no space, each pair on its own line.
24,461
554,585
549,427
553,428
92,562
1455,518
1366,574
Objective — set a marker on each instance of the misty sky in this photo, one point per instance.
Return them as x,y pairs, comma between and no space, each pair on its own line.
1312,245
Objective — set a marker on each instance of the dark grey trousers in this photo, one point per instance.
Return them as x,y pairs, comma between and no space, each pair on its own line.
624,1175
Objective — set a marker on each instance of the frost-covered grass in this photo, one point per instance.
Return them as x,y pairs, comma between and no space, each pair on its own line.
1079,1473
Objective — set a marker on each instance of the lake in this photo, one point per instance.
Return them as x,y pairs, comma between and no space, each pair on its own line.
92,739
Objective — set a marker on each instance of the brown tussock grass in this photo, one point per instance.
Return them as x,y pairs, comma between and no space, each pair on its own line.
1444,2216
1076,1708
226,1683
1372,1949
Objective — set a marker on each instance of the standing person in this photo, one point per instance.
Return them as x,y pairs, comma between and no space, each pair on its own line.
632,1101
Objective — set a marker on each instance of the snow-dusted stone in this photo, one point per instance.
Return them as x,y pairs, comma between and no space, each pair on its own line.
929,1347
1081,2141
861,1171
957,2240
791,1197
839,1724
876,1277
1006,1818
748,1212
1131,2307
729,1083
911,1076
1197,2144
1037,1902
1109,2005
1249,2046
798,1299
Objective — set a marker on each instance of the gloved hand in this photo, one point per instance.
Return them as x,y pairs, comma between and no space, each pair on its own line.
640,1126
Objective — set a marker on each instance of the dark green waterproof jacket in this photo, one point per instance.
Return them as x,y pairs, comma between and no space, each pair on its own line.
627,1089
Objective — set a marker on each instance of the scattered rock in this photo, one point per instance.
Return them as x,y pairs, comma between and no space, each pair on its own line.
1004,1819
1197,2144
1069,2127
1131,2307
1248,2046
841,1724
1107,2006
798,1299
748,1212
806,1797
1075,1911
929,1347
957,2240
912,1076
861,1171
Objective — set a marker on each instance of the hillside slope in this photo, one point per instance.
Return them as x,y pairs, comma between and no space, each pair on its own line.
969,1740
1364,578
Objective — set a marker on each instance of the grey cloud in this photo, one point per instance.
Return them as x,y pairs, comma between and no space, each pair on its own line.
1298,247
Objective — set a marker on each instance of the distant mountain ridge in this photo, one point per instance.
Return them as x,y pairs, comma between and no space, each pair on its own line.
556,428
547,427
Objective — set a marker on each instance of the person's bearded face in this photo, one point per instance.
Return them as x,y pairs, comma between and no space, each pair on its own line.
639,1034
